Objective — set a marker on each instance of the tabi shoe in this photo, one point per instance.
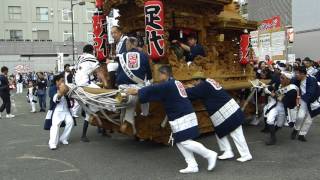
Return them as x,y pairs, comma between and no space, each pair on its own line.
302,138
245,158
212,160
294,134
226,155
65,142
52,147
189,170
84,139
10,116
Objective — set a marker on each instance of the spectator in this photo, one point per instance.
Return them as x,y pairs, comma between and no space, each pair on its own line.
5,92
42,92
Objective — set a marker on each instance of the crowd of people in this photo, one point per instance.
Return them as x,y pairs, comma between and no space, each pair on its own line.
291,98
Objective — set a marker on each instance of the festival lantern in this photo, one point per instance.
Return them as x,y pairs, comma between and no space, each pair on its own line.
100,37
154,27
99,4
244,49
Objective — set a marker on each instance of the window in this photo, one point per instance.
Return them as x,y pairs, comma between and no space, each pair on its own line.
67,36
90,13
16,35
43,34
42,14
66,15
14,12
90,37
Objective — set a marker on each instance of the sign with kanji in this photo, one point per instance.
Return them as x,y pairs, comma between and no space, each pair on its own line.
154,22
100,36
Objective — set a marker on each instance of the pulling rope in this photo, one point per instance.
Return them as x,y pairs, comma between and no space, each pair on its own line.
103,101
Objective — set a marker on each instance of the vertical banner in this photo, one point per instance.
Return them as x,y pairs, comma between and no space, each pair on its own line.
244,49
154,21
100,36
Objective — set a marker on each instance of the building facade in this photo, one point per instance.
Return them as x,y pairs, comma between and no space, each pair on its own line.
34,31
301,15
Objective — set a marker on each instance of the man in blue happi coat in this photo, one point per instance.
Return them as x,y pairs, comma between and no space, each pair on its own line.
134,71
182,118
309,103
225,114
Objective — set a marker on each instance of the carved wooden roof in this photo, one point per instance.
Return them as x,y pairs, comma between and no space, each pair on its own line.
109,4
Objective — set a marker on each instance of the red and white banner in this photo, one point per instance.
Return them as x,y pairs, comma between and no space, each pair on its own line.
244,49
100,36
154,21
268,24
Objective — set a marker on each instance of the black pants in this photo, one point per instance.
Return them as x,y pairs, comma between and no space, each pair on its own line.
6,103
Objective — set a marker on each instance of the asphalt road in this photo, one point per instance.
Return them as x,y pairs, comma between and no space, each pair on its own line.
24,155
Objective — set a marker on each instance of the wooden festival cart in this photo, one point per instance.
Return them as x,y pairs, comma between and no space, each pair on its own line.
218,26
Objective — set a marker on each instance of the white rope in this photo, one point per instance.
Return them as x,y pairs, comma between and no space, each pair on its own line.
100,101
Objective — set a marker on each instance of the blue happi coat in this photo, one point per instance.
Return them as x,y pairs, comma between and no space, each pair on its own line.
217,101
176,103
140,68
311,97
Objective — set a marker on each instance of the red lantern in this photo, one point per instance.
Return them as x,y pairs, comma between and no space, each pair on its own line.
99,4
154,21
244,49
100,37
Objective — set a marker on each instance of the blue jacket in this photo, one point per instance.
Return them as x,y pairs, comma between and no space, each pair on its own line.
141,70
214,97
196,50
312,94
4,85
175,102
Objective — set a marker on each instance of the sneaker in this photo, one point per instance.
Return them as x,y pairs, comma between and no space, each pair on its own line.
212,160
65,142
189,170
10,116
52,147
84,139
226,155
302,138
245,158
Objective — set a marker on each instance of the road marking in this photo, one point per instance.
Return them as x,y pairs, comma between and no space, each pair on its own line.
69,170
41,145
73,168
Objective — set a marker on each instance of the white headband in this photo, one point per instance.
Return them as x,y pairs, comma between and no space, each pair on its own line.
287,74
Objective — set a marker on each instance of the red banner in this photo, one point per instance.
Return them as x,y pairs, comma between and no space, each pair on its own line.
268,24
244,49
154,21
100,37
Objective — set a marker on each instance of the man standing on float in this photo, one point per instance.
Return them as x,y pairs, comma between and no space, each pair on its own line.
113,66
